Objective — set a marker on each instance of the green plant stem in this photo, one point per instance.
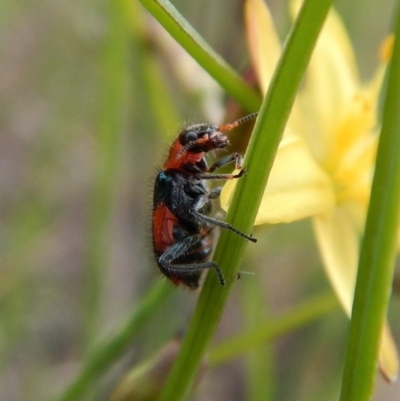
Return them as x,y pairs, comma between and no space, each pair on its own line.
107,353
379,247
271,329
263,146
180,29
113,99
259,362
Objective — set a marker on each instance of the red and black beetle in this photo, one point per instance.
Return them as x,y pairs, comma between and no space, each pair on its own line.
182,224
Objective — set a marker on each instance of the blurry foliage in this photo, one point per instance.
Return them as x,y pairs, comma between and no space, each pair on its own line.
51,94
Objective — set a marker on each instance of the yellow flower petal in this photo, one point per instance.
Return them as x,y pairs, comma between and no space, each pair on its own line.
331,83
297,187
265,50
263,41
354,127
353,174
338,237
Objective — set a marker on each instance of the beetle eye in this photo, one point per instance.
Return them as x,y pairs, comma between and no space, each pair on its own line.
191,136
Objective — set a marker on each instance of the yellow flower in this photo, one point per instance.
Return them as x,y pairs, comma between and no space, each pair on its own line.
325,162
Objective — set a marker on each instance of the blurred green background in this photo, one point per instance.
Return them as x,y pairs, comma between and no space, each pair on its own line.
90,99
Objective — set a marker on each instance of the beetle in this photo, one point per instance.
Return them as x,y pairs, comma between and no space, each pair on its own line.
182,204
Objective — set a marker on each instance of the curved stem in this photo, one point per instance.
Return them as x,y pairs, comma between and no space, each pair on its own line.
180,29
263,145
379,247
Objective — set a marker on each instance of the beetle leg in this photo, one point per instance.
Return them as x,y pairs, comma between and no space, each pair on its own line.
194,268
225,225
221,176
200,201
215,193
236,157
181,248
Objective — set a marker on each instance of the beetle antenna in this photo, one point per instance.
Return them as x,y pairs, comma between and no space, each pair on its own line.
188,146
228,127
